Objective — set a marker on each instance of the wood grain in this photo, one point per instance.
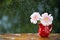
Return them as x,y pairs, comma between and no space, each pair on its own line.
28,36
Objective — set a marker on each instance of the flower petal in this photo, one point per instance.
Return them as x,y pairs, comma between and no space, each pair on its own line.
49,14
45,14
51,17
35,13
33,21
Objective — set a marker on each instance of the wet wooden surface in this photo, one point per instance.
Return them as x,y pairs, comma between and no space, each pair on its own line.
28,36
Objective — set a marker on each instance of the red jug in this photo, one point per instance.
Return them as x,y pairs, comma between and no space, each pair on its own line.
44,31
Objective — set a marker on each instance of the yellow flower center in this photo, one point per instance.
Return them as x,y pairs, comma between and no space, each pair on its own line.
46,18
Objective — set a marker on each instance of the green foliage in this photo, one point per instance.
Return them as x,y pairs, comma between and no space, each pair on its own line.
18,13
5,2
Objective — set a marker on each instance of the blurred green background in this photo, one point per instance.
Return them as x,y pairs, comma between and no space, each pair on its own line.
15,15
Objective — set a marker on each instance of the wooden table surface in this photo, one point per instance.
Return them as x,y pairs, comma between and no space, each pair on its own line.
28,36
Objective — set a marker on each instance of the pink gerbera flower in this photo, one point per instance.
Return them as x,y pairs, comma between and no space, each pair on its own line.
46,19
35,17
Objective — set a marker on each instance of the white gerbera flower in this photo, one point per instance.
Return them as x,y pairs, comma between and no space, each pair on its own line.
35,17
46,19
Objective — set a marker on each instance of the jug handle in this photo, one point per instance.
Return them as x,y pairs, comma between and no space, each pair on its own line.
50,27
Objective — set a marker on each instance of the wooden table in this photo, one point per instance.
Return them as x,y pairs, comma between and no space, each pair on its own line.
28,36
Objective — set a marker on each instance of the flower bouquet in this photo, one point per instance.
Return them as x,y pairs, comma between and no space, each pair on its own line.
44,22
